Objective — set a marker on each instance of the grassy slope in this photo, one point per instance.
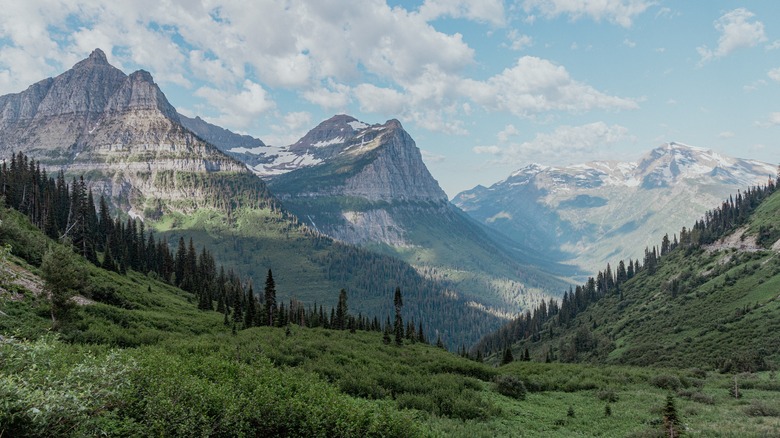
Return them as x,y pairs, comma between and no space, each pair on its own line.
154,365
727,308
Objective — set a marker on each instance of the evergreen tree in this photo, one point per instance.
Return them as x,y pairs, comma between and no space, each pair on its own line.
421,334
671,419
270,298
508,357
399,323
250,316
63,278
341,311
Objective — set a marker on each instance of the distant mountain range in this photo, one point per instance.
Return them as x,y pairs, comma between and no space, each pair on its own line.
600,212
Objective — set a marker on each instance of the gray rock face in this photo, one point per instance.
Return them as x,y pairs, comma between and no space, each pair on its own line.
120,130
378,163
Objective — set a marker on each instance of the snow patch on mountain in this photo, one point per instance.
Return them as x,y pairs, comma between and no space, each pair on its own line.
358,125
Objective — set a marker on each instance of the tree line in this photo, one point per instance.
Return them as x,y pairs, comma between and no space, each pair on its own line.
67,212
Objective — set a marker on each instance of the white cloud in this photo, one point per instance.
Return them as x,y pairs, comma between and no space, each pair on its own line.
738,30
621,12
726,134
536,85
628,43
488,150
239,108
430,157
576,143
772,120
755,85
330,96
490,11
375,99
774,74
508,132
518,41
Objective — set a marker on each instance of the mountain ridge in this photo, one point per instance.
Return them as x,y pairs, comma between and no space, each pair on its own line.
593,213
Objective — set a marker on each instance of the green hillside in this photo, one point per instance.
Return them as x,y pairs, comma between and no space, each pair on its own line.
713,305
136,358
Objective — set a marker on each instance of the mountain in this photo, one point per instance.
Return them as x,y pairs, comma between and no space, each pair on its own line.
236,145
94,118
710,300
130,144
600,212
367,185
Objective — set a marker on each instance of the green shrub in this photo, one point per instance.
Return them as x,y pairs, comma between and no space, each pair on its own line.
510,386
666,381
762,409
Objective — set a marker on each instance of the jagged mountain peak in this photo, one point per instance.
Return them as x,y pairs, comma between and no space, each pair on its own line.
335,130
96,58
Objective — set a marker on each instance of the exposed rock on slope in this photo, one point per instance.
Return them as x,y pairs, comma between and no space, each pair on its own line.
119,130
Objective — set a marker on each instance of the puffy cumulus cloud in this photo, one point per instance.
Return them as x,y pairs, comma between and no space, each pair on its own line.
329,96
380,100
237,109
774,74
620,12
536,85
772,120
738,29
577,143
507,133
518,41
295,44
491,11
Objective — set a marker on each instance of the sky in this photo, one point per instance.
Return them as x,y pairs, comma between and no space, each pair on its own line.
485,87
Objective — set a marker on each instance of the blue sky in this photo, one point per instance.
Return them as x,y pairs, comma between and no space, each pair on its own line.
484,87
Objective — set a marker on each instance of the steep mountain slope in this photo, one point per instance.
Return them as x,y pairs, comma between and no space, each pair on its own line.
122,134
367,185
713,304
599,212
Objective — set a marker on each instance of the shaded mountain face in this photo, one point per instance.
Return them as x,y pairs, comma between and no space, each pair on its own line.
117,129
600,212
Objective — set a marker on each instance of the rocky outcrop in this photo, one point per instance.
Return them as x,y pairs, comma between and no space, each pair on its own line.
118,130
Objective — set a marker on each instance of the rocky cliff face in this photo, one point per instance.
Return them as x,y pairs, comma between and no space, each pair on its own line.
599,212
345,157
117,129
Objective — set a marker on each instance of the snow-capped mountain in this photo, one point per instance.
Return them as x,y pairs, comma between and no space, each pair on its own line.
604,211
